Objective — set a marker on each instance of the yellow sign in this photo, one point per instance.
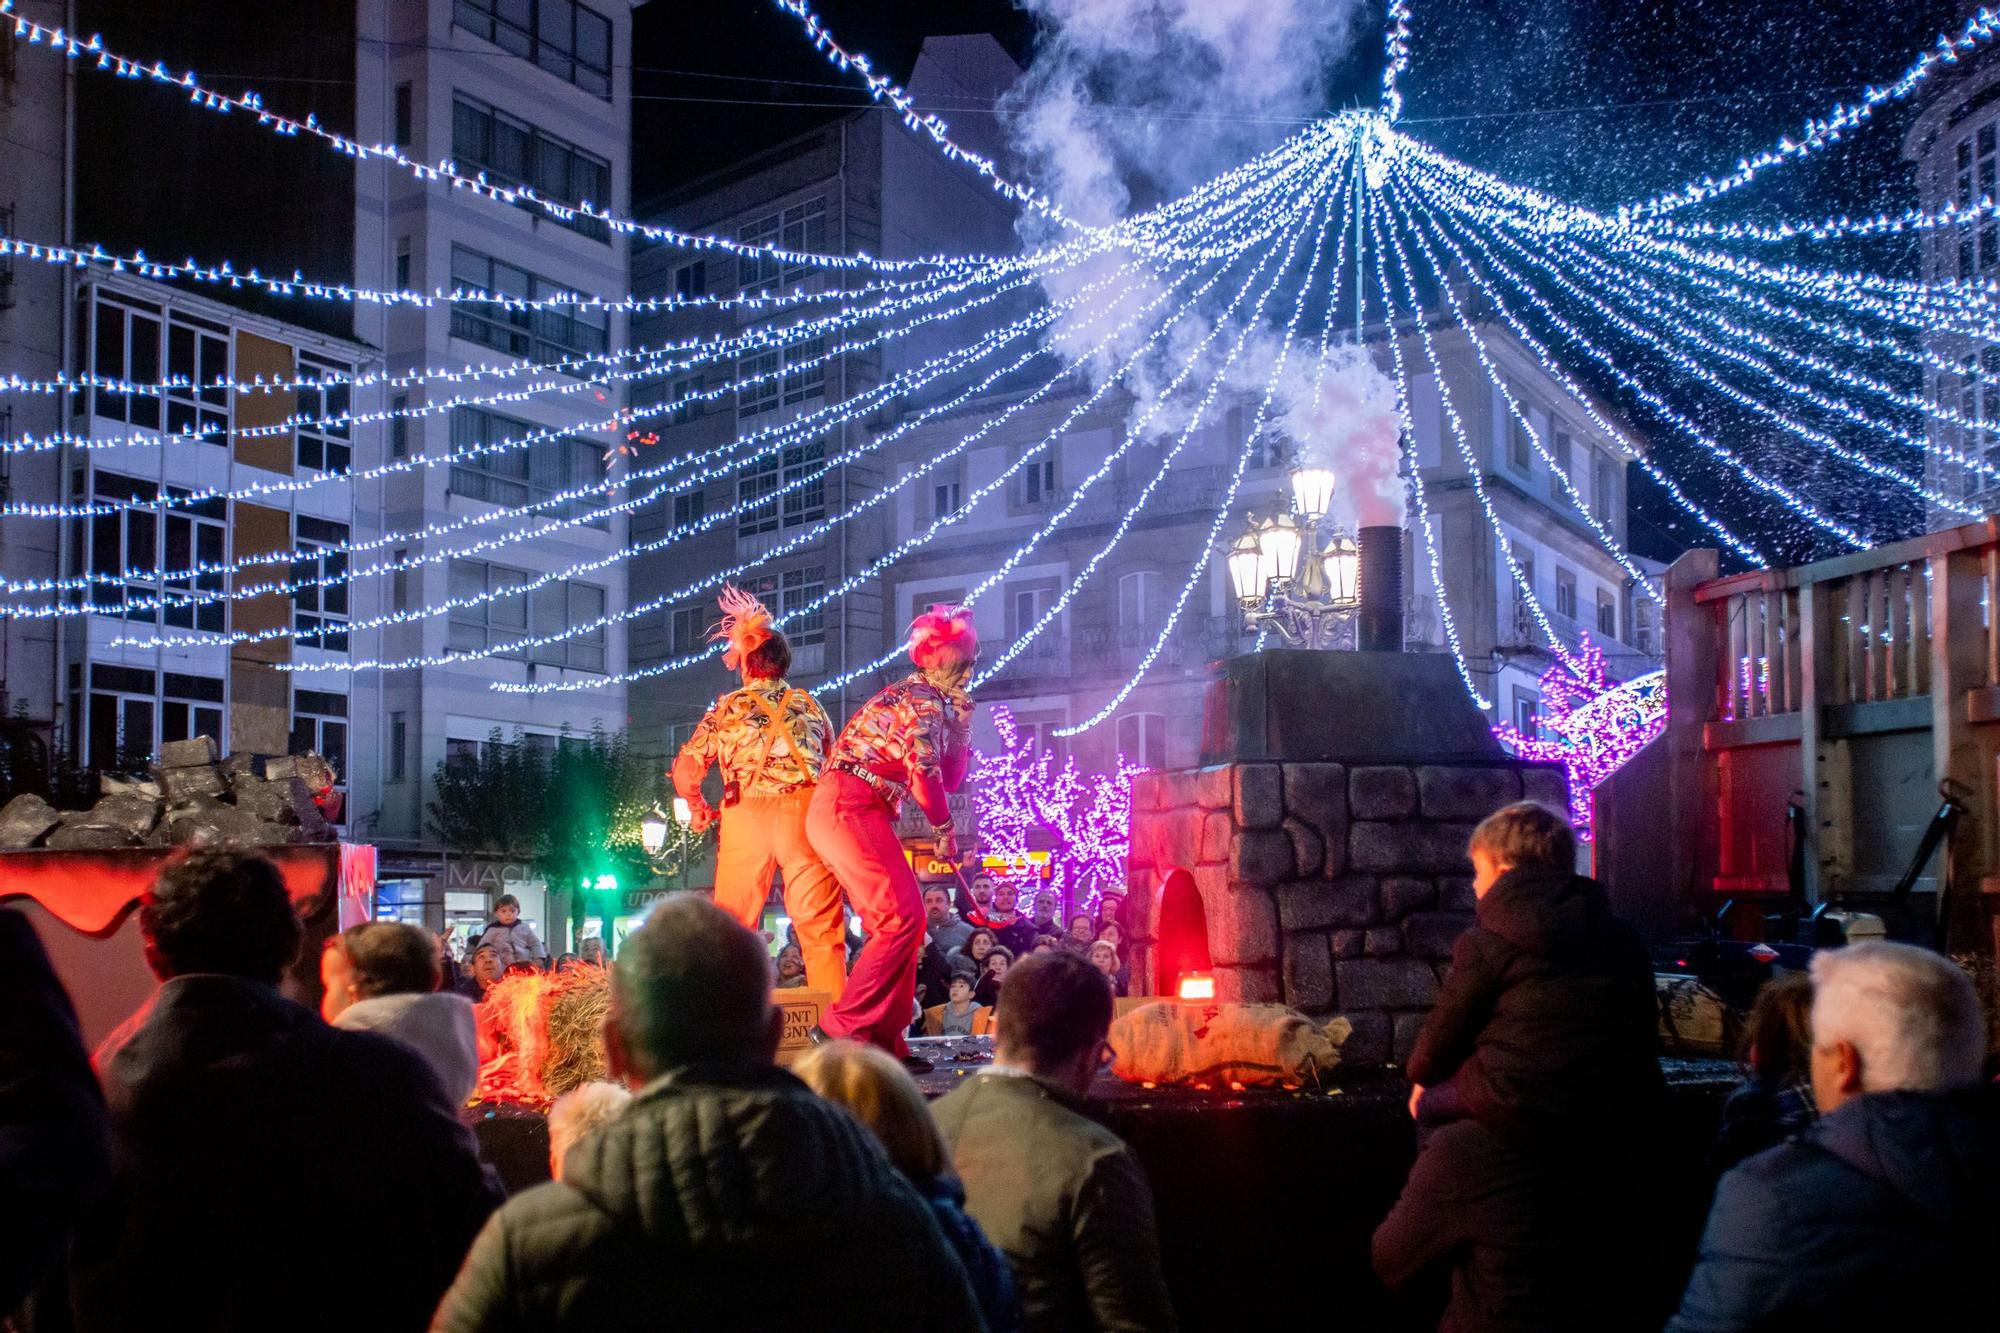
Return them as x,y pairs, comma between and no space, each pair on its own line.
1002,867
801,1010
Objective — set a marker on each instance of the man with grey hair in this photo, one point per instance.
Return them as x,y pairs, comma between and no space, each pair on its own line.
726,1195
1882,1214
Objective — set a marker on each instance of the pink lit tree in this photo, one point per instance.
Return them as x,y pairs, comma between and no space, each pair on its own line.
1591,725
1087,818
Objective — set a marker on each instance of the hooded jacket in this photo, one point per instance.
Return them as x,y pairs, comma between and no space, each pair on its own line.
723,1198
1880,1216
1546,1021
254,1144
517,943
438,1026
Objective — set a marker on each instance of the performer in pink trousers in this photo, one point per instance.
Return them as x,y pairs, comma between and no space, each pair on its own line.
909,740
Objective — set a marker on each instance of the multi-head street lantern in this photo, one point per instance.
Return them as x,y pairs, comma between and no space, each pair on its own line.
1291,579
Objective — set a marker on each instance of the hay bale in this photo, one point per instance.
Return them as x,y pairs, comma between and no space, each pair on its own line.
1248,1045
542,1034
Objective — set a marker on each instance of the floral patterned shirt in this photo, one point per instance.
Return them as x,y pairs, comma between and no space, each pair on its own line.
733,733
904,730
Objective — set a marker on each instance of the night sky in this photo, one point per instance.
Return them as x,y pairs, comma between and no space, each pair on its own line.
1597,101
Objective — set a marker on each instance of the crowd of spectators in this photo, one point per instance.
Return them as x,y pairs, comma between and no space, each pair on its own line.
706,1185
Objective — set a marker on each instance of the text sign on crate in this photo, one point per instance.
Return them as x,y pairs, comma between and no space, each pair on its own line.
801,1010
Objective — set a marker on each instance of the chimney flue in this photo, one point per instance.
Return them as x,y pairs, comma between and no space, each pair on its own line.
1379,623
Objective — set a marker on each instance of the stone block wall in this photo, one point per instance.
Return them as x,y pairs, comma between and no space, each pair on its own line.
1334,888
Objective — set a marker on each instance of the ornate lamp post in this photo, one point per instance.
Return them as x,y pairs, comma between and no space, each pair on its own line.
1290,580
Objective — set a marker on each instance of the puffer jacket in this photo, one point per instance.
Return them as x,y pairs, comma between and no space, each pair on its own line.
1546,1022
1879,1216
724,1198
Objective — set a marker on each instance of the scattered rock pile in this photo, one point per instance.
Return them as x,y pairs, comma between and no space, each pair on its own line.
191,799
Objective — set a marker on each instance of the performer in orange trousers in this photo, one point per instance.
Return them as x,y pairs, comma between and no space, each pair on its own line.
770,742
909,740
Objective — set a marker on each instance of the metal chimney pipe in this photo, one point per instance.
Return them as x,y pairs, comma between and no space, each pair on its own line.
1378,626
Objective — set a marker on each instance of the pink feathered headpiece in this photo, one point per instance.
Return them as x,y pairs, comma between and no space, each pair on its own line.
943,629
746,626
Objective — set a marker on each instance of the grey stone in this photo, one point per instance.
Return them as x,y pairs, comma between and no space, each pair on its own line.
25,820
1465,793
181,785
1216,828
1242,928
1317,793
1164,839
1383,941
1262,857
1381,793
111,784
242,765
1172,791
1546,786
277,800
1370,1043
1308,850
90,838
1347,943
1417,848
199,752
1407,1026
1400,897
132,815
1214,789
1383,983
1316,904
1146,789
1308,972
1260,795
1455,894
222,825
1247,985
1431,934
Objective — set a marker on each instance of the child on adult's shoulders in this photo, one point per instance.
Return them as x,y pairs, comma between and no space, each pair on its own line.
1546,1020
1775,1102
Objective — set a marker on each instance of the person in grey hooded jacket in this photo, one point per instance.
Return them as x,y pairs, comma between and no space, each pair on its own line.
382,976
727,1196
1881,1215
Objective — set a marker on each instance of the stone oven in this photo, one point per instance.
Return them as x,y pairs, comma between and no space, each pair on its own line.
1326,833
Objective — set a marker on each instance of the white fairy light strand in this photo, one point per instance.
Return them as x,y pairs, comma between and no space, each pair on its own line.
1396,44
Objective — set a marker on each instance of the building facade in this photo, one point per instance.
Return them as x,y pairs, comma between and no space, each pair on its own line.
862,183
530,94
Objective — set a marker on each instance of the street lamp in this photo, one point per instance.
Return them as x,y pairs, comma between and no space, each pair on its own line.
653,831
1290,581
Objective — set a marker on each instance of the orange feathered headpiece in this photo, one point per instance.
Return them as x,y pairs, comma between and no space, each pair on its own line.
940,630
746,626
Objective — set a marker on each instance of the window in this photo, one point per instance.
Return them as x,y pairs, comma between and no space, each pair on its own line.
1035,484
319,726
126,346
762,509
7,213
1603,486
1025,607
319,569
123,545
945,498
462,753
687,399
1519,447
399,747
325,425
691,280
399,582
403,264
1142,739
802,227
1041,734
1563,449
485,468
799,588
493,623
1607,614
560,605
1565,592
191,706
1527,711
1524,560
1977,165
567,39
405,129
399,426
119,732
541,333
513,153
1141,599
198,368
780,376
196,536
1645,618
690,630
690,509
